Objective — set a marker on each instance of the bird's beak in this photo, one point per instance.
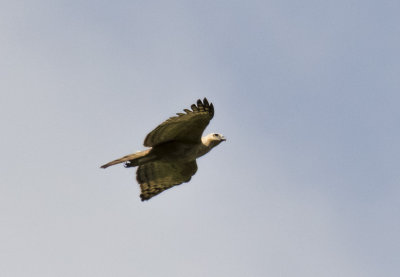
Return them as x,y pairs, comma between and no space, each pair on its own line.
223,138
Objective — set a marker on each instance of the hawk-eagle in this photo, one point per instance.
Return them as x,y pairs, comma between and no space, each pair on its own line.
174,147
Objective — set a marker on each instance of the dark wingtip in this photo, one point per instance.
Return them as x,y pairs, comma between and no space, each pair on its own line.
207,105
144,198
194,107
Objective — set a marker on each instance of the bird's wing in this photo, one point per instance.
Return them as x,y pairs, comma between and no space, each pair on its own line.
155,177
187,127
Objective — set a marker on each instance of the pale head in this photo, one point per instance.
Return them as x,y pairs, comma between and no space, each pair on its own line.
209,142
213,139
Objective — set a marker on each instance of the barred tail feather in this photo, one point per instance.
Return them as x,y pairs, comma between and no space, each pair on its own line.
134,159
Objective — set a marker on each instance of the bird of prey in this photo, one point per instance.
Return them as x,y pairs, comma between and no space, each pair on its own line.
174,147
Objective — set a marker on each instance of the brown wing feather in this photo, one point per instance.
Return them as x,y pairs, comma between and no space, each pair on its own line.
155,177
187,127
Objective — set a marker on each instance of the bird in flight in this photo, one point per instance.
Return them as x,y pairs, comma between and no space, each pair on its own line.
174,145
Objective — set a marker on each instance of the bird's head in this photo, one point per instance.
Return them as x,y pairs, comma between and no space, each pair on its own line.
214,139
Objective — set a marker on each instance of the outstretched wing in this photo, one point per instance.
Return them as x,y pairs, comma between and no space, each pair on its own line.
187,127
155,177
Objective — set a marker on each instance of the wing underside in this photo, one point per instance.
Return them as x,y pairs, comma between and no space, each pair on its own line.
155,177
186,127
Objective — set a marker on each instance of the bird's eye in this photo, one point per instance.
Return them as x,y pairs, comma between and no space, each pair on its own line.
215,135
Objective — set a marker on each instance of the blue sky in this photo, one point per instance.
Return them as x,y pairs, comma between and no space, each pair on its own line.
306,92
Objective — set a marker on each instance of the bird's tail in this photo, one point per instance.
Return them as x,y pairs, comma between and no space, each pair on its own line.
133,159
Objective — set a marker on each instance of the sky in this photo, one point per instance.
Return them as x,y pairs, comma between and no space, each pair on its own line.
306,93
